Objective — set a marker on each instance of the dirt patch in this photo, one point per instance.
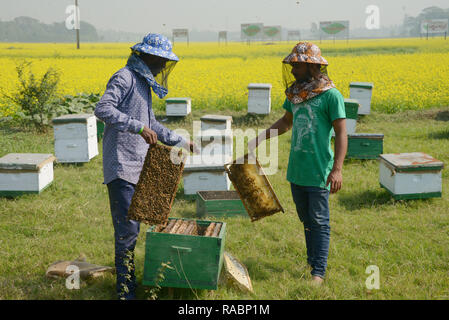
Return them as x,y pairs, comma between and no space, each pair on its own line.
156,188
254,190
219,195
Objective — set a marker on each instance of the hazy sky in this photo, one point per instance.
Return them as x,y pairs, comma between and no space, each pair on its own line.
161,16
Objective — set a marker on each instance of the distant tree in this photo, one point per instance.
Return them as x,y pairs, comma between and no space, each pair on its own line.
26,29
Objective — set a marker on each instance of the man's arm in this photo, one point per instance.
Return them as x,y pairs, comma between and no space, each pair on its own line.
281,126
335,178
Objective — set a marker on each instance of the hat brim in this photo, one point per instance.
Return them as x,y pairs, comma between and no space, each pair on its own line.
303,58
169,55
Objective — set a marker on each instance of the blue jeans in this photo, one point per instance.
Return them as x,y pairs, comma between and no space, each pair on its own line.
125,234
312,206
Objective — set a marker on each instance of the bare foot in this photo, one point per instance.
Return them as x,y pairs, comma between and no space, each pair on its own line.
318,281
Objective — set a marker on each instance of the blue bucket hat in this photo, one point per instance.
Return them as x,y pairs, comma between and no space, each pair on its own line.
156,45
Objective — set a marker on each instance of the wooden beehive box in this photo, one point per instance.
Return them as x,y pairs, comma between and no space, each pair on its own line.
217,142
157,186
259,98
219,204
196,259
362,91
75,138
254,188
217,122
411,175
205,174
179,107
22,173
365,145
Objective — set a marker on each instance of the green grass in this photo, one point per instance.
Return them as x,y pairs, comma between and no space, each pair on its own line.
407,240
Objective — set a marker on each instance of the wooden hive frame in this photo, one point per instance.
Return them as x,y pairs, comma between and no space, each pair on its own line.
253,215
157,186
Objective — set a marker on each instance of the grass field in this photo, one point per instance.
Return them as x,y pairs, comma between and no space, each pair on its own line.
408,74
408,240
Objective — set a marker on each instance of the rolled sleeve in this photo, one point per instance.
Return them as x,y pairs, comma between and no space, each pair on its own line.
108,108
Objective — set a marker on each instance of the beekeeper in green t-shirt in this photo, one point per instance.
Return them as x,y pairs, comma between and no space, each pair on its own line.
313,106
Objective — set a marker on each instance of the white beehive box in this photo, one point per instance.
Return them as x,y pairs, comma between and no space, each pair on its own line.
259,98
411,175
362,91
178,107
75,138
217,143
217,122
204,174
22,173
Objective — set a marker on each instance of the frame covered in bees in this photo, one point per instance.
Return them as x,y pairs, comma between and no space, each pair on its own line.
157,186
254,188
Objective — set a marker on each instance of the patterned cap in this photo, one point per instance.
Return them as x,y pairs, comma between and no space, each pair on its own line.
156,45
306,52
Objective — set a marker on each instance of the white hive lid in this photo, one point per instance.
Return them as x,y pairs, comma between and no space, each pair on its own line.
177,100
412,161
265,86
69,118
25,161
216,118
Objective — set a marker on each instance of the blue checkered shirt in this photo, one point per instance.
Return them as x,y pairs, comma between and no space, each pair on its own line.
125,107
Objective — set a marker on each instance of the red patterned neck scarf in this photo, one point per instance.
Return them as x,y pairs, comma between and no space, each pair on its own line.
302,91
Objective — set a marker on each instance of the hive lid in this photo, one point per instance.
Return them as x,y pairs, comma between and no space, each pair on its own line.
415,161
25,161
178,100
69,118
205,163
216,118
374,136
364,85
259,86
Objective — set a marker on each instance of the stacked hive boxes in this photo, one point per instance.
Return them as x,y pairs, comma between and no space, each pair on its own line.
75,138
205,172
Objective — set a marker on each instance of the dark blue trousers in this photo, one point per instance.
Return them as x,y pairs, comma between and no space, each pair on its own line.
312,206
125,234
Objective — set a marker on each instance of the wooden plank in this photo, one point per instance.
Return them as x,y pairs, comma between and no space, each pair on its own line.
183,227
209,230
176,226
216,230
169,226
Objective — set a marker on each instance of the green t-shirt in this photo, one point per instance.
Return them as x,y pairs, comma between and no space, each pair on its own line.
311,157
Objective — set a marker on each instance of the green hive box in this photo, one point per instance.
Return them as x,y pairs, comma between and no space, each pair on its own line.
196,260
364,146
351,108
100,129
219,204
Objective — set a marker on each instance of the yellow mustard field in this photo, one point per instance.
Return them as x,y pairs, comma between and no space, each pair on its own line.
406,73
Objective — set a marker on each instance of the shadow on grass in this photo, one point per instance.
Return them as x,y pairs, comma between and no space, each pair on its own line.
163,119
249,119
442,135
442,116
365,199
